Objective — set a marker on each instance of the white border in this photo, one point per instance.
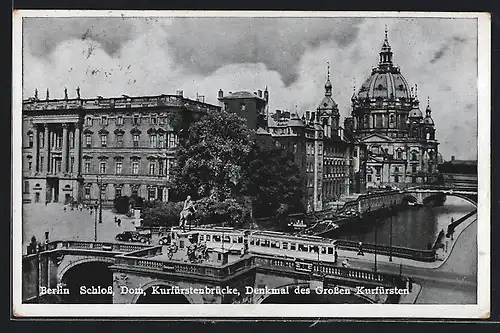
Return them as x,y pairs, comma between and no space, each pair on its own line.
479,310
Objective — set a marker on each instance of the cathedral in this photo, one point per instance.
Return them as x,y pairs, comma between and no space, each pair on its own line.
386,117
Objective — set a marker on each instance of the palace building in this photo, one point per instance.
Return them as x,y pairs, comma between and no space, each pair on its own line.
75,148
386,116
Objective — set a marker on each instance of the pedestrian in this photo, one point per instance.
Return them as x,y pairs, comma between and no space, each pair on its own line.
64,209
360,249
119,221
116,219
345,263
335,256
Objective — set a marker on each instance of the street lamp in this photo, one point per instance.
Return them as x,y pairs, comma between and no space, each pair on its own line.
95,222
390,242
99,181
376,227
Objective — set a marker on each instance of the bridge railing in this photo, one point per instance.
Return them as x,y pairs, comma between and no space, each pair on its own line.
327,270
147,252
396,251
200,270
100,246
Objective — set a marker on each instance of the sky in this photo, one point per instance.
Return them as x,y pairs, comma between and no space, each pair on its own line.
150,56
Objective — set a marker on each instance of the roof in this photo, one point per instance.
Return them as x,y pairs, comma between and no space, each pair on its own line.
386,84
243,94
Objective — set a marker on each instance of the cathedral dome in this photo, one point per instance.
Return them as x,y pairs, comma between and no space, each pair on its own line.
385,84
386,80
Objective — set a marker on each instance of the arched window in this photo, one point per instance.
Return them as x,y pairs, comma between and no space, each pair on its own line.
391,119
399,154
413,156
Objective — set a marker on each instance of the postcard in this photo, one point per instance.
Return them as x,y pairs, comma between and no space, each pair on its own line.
202,164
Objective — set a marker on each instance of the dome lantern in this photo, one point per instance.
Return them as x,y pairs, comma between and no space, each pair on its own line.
385,52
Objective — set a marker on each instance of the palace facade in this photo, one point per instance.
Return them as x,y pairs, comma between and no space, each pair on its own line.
75,148
386,117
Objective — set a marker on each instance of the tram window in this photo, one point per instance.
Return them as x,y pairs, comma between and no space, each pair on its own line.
202,238
293,246
311,248
265,242
285,245
208,238
217,238
323,250
275,245
330,250
303,247
227,239
252,241
257,241
240,239
234,240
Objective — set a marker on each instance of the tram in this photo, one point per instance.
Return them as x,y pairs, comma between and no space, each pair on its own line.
268,242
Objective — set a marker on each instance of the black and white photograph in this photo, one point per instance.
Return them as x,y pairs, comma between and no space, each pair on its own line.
290,164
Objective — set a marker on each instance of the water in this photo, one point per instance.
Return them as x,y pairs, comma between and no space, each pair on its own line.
413,228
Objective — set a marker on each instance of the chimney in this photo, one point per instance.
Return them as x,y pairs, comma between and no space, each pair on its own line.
260,93
255,93
313,116
180,93
307,116
453,157
221,94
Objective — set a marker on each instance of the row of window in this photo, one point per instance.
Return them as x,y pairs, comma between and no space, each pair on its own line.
119,120
159,168
155,140
55,144
153,192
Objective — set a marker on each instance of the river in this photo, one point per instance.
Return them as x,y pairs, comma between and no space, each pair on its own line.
412,228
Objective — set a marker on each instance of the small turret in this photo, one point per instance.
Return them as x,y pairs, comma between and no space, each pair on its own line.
266,95
47,95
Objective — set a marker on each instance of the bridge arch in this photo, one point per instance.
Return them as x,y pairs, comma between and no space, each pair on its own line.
465,197
407,197
73,263
85,288
182,298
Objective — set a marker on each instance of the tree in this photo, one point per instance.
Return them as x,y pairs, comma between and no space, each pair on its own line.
210,157
274,182
121,204
161,214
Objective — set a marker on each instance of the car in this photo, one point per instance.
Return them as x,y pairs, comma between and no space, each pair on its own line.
134,236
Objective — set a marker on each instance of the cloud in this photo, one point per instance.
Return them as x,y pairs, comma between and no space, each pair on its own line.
203,45
43,35
111,57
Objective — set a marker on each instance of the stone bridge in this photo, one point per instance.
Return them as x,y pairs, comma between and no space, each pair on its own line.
133,273
419,195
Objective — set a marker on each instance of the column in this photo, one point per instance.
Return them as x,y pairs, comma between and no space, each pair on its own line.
35,149
77,148
65,148
46,148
